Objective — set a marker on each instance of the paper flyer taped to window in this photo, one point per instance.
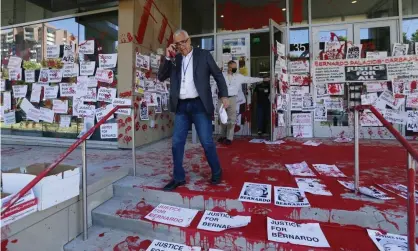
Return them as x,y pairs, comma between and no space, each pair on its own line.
300,169
122,101
86,47
290,197
7,100
9,118
302,131
104,75
395,117
60,106
88,81
296,102
368,99
46,115
400,49
35,95
50,92
54,75
398,189
67,89
172,215
106,94
109,131
20,91
86,111
328,170
33,114
30,76
312,143
412,121
309,234
101,112
302,119
336,104
145,62
335,89
143,110
369,191
256,193
353,51
70,70
15,74
388,241
320,113
376,86
313,186
158,245
108,61
412,101
369,119
376,54
281,49
299,66
321,91
52,51
87,68
25,105
14,62
385,98
65,121
219,221
308,103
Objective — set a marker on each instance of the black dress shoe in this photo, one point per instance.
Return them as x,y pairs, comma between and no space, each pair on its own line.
217,178
221,140
228,142
173,185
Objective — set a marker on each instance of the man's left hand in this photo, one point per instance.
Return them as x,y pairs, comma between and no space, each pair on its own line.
225,102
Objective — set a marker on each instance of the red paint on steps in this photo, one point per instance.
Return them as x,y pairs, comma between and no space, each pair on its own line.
132,243
4,244
101,235
140,210
14,241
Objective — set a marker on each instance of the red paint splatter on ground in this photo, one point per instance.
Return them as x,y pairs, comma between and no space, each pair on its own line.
14,241
101,235
132,243
135,212
4,244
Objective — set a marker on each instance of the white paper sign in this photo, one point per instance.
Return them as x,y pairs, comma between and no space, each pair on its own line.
26,105
412,121
33,114
308,103
219,221
109,131
299,66
302,119
320,113
67,89
302,131
60,106
255,192
376,54
334,104
368,99
395,117
86,47
87,68
143,110
398,189
30,76
65,121
376,86
312,143
369,191
321,91
107,61
86,111
313,186
281,51
328,170
103,111
412,101
172,215
106,94
7,101
43,76
103,75
20,91
122,101
14,62
15,74
52,51
87,81
68,59
47,115
309,234
55,75
389,242
50,92
290,197
9,118
300,169
145,62
2,85
158,245
70,70
369,119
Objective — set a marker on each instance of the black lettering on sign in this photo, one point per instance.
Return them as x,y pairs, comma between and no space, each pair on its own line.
366,73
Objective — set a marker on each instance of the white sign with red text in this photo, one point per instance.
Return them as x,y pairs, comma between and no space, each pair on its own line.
171,215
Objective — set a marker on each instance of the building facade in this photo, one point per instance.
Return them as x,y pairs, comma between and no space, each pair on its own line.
232,30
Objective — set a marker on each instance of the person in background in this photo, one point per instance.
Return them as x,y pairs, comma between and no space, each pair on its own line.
234,81
263,106
191,101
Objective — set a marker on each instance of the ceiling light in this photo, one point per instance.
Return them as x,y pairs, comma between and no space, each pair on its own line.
222,16
284,9
354,1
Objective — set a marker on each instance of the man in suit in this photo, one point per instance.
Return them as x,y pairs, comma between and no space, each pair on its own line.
191,101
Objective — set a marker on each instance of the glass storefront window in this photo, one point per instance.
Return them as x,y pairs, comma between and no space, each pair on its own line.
299,44
325,11
410,34
206,43
298,12
375,39
235,15
197,16
409,7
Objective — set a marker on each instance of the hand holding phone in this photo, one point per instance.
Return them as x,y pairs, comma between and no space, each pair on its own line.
171,51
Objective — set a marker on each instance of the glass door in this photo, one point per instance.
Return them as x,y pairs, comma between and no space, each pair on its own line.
329,44
280,122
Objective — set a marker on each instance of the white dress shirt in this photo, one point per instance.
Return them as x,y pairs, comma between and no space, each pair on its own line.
187,84
235,80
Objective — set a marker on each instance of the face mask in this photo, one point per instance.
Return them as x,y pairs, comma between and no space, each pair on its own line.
234,70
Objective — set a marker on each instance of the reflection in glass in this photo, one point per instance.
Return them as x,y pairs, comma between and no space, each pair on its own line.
375,39
410,34
197,16
206,43
409,7
298,12
299,43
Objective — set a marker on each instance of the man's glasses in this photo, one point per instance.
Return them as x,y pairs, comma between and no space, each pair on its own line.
183,42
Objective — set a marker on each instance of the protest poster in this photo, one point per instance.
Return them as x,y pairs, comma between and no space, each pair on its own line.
366,73
158,108
70,70
15,74
219,221
109,131
320,113
335,89
108,61
172,215
299,66
376,54
395,117
88,81
405,67
86,47
369,98
30,76
50,92
398,86
328,170
106,94
290,197
312,143
388,241
399,190
2,85
7,100
400,49
20,91
46,115
370,191
143,110
313,186
296,102
69,49
158,245
336,104
257,141
67,89
282,102
412,121
298,80
369,119
145,62
281,49
52,51
25,105
65,121
101,112
412,101
376,86
33,114
90,95
122,101
86,111
308,103
308,234
411,86
14,62
104,75
302,131
9,118
302,119
321,91
256,192
330,74
385,98
54,75
60,106
300,169
68,58
353,51
87,68
334,50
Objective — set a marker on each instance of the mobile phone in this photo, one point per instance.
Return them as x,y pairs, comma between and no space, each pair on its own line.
173,53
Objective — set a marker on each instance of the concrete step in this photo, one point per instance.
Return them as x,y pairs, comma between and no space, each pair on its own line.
108,239
128,214
354,210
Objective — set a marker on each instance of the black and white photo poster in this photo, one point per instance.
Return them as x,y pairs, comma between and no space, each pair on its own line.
320,113
219,221
300,169
313,186
290,197
400,49
309,234
143,110
255,192
353,51
389,242
366,73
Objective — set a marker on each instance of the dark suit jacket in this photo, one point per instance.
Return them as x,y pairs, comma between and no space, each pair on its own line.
203,66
